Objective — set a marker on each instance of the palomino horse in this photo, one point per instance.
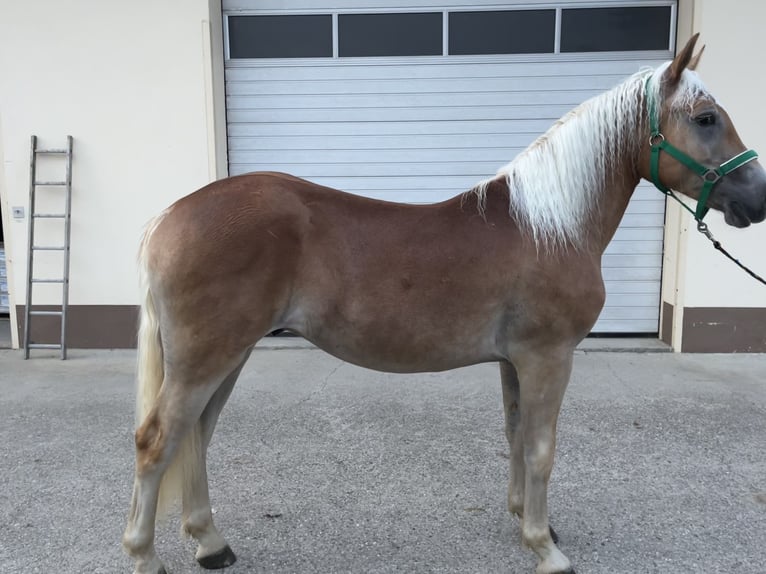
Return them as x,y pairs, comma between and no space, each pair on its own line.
509,271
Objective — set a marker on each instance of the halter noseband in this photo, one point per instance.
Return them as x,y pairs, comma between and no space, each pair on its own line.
709,175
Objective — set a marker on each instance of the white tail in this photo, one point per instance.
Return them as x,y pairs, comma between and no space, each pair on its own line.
183,469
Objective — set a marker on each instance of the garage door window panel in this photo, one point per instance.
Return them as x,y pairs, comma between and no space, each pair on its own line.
301,36
615,29
394,34
502,32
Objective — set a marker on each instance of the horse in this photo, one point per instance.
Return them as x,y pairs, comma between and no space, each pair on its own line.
507,272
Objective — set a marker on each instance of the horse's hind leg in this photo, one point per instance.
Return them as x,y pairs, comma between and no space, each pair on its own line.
176,411
213,551
543,378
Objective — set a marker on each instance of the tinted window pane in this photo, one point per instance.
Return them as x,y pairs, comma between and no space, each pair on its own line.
507,32
280,36
615,29
414,34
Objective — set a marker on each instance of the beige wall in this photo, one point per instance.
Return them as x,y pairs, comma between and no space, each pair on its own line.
137,84
694,274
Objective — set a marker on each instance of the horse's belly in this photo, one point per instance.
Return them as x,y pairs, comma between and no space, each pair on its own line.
403,345
391,359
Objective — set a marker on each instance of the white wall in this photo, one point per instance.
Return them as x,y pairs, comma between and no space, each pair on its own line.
128,81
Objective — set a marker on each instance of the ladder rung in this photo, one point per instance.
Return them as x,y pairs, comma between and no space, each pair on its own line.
53,150
48,248
49,215
46,313
43,346
51,183
47,281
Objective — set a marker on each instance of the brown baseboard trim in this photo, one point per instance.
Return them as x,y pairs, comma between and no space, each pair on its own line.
705,329
88,326
724,330
666,328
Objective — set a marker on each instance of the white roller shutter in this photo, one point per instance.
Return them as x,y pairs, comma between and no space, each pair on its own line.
424,128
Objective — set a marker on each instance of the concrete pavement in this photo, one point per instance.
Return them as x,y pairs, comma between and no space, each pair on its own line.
318,466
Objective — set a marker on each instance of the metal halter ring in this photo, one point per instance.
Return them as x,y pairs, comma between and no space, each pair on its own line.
656,139
711,176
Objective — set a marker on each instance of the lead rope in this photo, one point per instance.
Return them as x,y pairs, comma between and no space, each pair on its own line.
703,229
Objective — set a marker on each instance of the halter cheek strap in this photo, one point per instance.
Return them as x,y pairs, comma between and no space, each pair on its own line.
709,175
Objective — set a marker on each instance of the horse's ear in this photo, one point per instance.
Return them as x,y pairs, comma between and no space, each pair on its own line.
673,73
696,59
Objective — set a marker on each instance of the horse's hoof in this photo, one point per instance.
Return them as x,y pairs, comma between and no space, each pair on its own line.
221,559
555,538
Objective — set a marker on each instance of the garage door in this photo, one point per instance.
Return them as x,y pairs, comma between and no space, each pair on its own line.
418,101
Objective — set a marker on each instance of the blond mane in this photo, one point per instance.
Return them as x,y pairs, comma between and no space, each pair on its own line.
556,184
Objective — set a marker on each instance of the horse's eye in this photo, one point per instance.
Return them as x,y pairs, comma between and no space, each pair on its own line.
707,119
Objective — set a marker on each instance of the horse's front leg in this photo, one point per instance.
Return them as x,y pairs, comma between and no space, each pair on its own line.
543,378
510,385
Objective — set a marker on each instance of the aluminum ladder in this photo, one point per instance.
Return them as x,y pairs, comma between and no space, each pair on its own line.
32,247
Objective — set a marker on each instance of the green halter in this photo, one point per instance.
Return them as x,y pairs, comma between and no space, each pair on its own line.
709,175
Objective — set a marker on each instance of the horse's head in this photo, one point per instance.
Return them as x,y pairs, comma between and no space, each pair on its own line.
694,147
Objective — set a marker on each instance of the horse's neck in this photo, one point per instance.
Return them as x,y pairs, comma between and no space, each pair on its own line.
558,191
613,201
620,183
